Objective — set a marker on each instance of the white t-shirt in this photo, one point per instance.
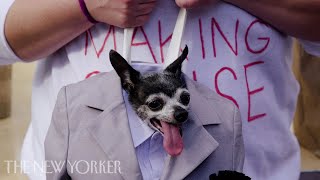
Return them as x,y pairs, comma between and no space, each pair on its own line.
231,52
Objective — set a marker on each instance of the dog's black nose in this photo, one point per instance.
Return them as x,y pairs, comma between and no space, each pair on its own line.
180,114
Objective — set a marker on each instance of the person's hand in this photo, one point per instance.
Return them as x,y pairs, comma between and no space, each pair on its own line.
194,3
121,13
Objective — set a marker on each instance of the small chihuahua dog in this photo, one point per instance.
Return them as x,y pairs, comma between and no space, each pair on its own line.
160,99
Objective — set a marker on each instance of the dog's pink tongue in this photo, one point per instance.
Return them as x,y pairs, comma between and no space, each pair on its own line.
172,140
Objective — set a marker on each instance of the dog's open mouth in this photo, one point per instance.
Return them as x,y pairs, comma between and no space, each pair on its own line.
156,123
172,136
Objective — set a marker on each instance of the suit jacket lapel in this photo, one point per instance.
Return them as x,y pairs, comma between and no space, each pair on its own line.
198,143
111,128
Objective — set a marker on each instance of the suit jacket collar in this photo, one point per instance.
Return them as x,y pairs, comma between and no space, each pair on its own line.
140,131
112,133
111,91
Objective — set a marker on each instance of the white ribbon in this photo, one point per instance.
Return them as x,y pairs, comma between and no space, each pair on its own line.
174,47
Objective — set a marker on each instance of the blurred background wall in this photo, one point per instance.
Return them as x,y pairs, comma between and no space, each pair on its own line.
307,117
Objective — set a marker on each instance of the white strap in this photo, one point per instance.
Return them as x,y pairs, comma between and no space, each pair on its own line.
174,47
127,38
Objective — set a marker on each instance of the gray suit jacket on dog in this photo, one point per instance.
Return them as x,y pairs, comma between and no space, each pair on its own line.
90,126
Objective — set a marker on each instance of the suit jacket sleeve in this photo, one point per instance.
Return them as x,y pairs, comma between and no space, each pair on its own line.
56,142
238,152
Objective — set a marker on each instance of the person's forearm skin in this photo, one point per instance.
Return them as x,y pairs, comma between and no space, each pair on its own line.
35,29
298,18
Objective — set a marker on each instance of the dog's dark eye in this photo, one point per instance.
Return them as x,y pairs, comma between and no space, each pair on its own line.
156,104
185,98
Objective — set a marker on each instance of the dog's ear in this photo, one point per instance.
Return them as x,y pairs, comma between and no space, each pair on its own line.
129,76
175,67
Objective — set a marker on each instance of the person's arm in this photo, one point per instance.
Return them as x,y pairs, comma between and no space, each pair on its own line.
298,18
35,29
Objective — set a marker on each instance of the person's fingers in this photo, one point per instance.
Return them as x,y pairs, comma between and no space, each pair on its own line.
141,20
190,3
146,1
194,3
144,9
132,13
135,21
183,3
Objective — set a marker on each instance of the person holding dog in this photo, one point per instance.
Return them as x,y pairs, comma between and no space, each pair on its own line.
240,49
